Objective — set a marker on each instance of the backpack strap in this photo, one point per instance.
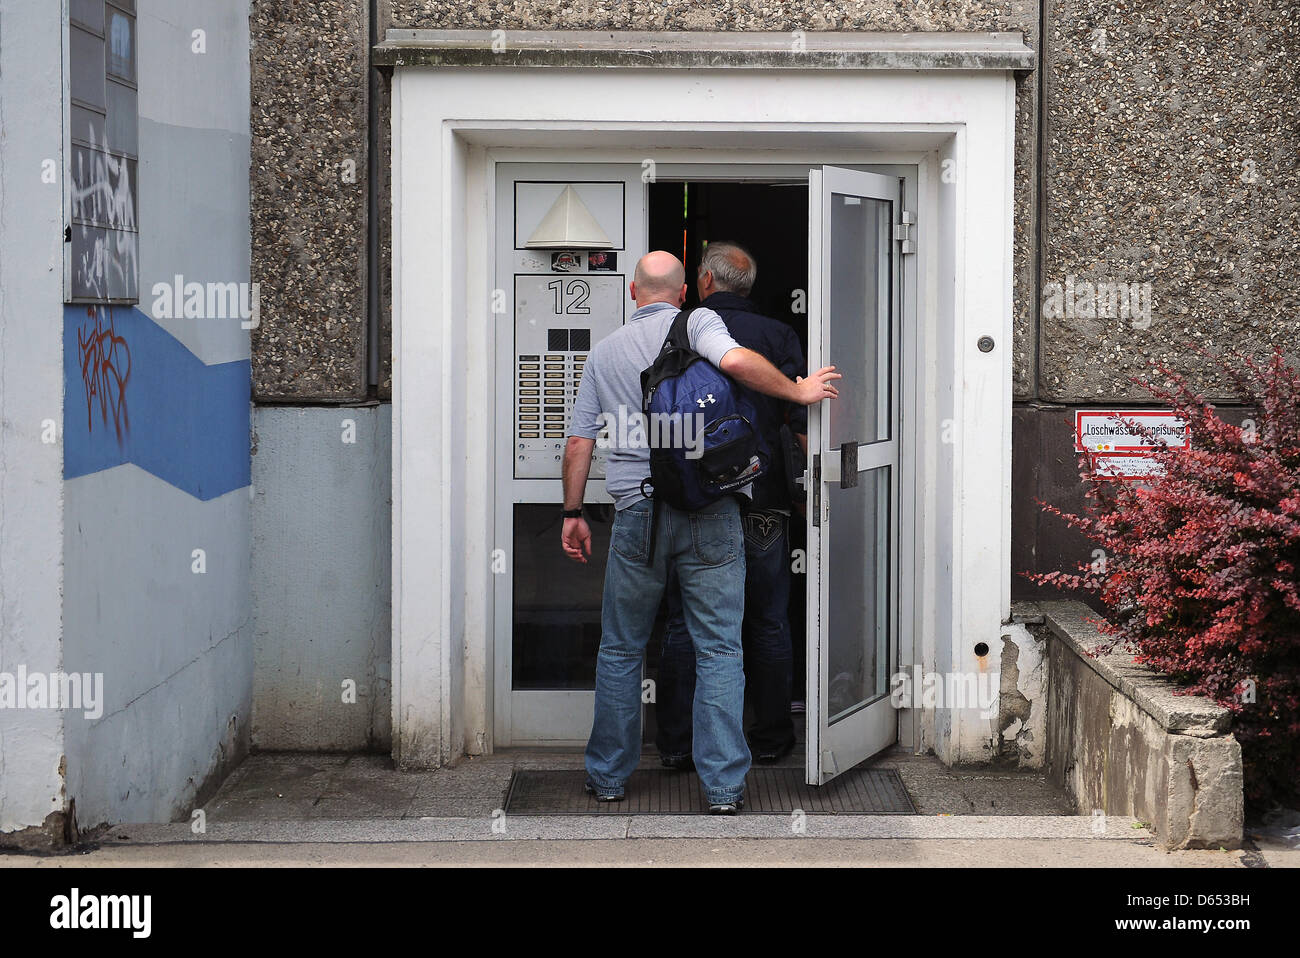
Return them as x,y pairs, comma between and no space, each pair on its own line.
678,334
679,337
654,532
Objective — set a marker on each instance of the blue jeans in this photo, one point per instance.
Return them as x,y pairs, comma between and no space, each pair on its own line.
705,550
766,642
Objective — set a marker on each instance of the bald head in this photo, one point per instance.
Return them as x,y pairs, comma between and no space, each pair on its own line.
659,278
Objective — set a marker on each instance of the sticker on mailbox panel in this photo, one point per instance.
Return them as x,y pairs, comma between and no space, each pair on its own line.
566,262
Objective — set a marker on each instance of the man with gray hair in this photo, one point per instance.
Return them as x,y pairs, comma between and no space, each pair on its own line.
726,277
704,549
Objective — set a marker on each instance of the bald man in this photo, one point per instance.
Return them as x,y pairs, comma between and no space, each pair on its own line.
703,549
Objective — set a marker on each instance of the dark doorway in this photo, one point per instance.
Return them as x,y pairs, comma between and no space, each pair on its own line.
770,219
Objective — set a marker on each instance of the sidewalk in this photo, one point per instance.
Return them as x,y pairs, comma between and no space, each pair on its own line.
713,852
309,808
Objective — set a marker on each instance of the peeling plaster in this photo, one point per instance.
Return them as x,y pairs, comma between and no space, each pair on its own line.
1022,709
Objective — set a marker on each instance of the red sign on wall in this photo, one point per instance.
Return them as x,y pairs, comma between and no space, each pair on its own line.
1115,446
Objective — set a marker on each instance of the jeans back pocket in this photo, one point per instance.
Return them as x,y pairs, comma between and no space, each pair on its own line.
763,529
716,536
630,536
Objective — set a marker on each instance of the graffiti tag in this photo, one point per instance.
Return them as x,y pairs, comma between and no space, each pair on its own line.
105,370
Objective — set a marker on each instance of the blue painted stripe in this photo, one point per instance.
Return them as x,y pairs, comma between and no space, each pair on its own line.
134,393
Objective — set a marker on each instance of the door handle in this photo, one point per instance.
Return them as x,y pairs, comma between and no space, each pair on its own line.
816,489
848,465
844,467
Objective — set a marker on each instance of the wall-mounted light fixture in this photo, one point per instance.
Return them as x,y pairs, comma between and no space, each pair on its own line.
568,224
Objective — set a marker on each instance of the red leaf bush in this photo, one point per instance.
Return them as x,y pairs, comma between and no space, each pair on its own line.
1198,573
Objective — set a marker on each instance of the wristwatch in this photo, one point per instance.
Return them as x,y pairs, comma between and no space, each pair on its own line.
572,513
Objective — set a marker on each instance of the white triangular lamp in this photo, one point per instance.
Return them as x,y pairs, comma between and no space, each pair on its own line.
568,224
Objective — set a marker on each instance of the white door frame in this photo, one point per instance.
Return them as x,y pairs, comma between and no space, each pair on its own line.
449,127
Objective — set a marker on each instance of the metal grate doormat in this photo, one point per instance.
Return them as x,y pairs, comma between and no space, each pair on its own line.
775,791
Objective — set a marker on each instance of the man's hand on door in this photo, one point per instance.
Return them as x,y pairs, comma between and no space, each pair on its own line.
817,386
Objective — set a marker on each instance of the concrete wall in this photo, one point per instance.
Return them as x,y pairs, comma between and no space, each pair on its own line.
31,405
321,574
1169,156
156,532
1121,742
310,62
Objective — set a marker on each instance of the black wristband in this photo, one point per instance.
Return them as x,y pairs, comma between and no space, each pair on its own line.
572,513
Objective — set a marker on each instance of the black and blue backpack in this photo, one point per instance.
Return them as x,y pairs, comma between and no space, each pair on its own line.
729,452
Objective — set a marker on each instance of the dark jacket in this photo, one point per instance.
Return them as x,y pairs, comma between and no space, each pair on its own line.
778,343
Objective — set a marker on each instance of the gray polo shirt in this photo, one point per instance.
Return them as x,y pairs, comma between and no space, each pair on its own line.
612,379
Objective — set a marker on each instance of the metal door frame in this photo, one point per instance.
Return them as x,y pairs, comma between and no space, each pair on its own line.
821,764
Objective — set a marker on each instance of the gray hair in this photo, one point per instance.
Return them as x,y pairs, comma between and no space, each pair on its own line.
732,266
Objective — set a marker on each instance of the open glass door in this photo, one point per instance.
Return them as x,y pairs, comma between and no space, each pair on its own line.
853,452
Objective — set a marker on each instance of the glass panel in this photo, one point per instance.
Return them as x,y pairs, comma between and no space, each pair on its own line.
88,12
121,46
857,560
556,601
858,318
86,68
